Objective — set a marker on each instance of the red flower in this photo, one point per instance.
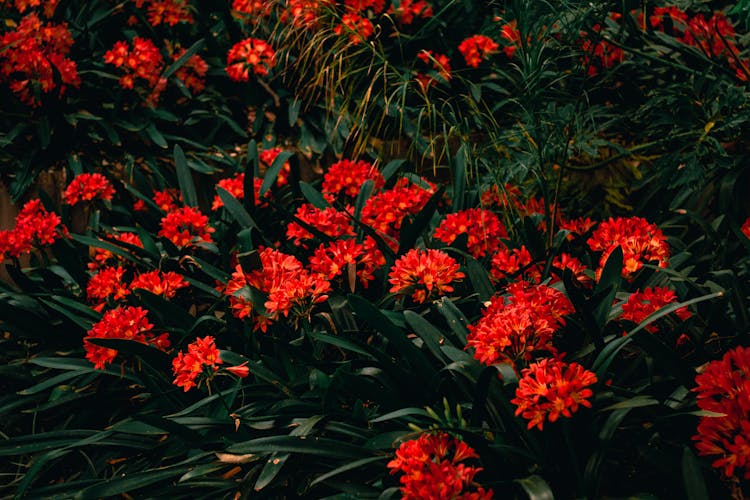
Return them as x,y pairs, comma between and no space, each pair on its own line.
168,12
425,274
346,177
248,55
332,259
408,10
304,13
186,226
477,47
202,357
328,221
22,5
577,227
431,468
550,388
746,228
506,263
357,27
101,256
724,388
35,226
86,187
385,211
142,61
641,305
159,283
33,59
168,199
492,197
641,242
483,228
192,74
510,32
108,282
236,187
377,6
129,323
519,326
566,261
251,10
240,371
440,66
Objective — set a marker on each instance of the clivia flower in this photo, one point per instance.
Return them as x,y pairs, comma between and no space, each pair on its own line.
202,357
35,226
424,274
87,187
476,48
168,12
346,177
482,227
236,187
165,284
251,54
357,27
186,226
408,10
641,305
746,228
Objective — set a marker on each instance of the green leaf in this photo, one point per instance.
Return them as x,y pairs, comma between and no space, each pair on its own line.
185,177
403,412
313,196
180,62
431,336
479,279
344,468
124,483
273,171
692,476
304,445
152,355
456,319
536,488
167,312
156,136
391,168
235,208
459,178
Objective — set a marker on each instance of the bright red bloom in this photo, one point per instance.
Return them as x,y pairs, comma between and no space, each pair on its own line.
168,200
510,32
143,61
304,13
289,287
641,305
746,228
22,5
107,283
128,323
385,211
408,10
86,187
102,256
550,388
236,187
506,263
346,177
482,227
425,274
251,54
35,226
641,242
476,48
358,28
520,325
33,59
724,388
329,221
577,227
432,469
168,12
377,6
202,357
251,10
566,261
159,283
440,66
192,74
332,259
240,371
492,197
186,226
677,16
600,55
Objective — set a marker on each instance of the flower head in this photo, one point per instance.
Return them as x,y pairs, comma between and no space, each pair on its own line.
202,357
159,283
345,178
87,187
476,48
425,274
482,227
186,226
551,388
328,221
251,54
641,305
35,226
236,187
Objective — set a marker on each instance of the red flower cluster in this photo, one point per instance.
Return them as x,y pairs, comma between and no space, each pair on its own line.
236,187
33,59
34,226
86,187
494,197
267,157
289,287
251,10
550,388
408,10
641,242
724,388
377,6
510,32
186,226
304,13
519,326
165,284
332,259
432,469
168,200
102,256
566,261
425,274
192,74
746,228
357,27
328,221
346,177
142,61
128,323
385,211
577,227
482,227
440,66
477,47
201,357
506,263
641,305
600,54
248,55
168,12
106,284
22,5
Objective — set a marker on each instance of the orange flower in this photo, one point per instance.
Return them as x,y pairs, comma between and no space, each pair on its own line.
357,27
641,305
267,157
477,47
408,10
482,227
328,221
551,388
431,468
332,259
35,226
168,199
248,55
746,228
143,61
385,211
519,326
192,74
346,177
102,256
87,187
425,274
506,263
108,282
159,283
510,32
202,357
168,12
236,187
186,226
